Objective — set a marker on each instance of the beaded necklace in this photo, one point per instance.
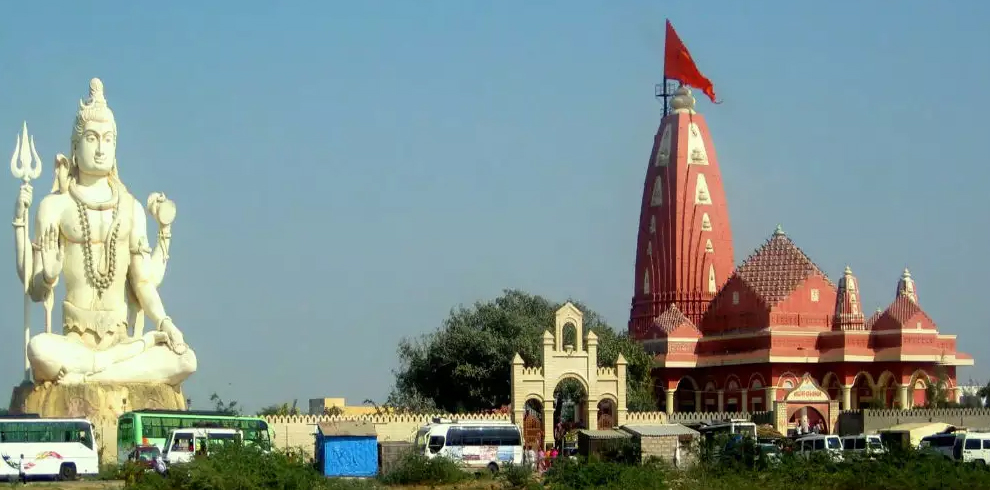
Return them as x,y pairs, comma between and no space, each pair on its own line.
101,278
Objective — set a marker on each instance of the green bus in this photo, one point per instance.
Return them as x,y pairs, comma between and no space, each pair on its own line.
152,427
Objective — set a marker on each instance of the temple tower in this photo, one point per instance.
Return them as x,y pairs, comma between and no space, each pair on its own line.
684,246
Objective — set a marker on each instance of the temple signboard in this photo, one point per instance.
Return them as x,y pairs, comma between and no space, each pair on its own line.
807,391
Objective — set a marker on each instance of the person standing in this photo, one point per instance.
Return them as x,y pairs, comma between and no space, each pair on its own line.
21,470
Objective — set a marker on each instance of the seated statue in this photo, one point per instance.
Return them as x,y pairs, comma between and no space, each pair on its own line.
93,232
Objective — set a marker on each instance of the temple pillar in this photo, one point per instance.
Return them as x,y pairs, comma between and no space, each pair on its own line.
846,397
902,396
743,401
548,423
698,407
771,397
670,400
955,395
721,400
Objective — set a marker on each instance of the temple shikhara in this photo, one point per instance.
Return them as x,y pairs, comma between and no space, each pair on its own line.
739,338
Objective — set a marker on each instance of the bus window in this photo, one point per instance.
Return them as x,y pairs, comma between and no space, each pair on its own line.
436,444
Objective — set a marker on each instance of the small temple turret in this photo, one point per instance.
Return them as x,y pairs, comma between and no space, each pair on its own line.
684,246
906,286
848,304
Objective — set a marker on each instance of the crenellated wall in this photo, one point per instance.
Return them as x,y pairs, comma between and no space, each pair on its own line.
297,431
870,421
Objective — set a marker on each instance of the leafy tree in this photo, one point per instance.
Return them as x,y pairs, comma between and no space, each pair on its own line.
333,411
466,364
283,409
229,408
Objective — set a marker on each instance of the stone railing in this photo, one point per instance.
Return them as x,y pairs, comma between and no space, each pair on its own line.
607,372
646,418
532,371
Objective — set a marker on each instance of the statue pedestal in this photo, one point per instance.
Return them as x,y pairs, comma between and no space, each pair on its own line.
100,403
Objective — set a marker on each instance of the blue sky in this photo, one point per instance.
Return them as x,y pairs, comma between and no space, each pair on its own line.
345,173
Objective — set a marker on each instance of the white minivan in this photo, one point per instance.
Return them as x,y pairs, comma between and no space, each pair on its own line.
811,444
183,444
474,444
972,447
863,443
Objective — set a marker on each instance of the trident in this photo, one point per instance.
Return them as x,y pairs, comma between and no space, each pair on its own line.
25,165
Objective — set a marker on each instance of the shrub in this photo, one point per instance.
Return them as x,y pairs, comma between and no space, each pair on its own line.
416,469
516,476
243,468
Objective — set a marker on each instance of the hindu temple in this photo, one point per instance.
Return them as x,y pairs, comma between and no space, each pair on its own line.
737,338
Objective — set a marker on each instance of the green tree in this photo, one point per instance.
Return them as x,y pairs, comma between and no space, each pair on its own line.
937,391
229,408
283,409
465,365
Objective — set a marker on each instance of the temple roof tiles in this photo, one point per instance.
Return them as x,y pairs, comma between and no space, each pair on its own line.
671,319
778,267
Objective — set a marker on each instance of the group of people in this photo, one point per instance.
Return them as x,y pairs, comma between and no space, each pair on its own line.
540,461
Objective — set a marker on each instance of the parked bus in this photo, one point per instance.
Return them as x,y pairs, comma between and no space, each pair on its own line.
153,427
62,448
481,444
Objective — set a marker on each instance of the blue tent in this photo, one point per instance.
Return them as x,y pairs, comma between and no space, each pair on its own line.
347,449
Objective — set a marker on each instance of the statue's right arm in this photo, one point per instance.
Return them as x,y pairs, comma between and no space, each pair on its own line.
48,214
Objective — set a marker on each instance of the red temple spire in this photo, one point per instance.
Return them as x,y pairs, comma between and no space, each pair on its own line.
684,246
679,65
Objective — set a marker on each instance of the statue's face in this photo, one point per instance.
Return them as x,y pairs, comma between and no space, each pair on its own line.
97,149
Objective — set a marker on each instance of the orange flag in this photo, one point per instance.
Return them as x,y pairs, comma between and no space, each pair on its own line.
678,65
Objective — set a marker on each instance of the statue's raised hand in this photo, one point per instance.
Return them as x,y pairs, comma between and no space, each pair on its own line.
24,198
51,254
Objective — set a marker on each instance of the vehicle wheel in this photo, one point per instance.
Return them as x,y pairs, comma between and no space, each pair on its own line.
493,468
67,472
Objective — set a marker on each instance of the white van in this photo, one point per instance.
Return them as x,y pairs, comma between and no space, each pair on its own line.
183,444
808,445
863,443
941,444
481,444
972,447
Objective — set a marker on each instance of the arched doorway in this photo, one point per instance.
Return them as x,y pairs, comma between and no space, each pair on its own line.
570,353
919,386
808,419
533,424
686,395
570,411
606,413
862,391
886,391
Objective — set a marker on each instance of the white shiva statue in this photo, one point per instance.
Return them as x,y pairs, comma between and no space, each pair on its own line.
92,232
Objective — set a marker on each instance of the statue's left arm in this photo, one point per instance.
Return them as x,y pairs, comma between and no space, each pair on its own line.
143,278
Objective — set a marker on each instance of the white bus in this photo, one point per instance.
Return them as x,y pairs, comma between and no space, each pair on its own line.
480,444
62,448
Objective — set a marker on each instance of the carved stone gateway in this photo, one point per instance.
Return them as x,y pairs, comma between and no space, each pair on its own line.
604,386
92,233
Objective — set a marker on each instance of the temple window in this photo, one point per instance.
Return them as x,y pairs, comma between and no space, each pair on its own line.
814,295
735,297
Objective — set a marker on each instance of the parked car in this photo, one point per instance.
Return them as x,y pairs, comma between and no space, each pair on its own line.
144,456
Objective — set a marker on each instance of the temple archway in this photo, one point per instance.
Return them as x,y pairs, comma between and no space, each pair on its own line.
808,419
885,391
830,383
687,395
919,386
806,408
862,391
569,366
570,401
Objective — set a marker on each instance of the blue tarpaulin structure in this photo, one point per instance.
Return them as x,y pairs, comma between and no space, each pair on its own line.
347,449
